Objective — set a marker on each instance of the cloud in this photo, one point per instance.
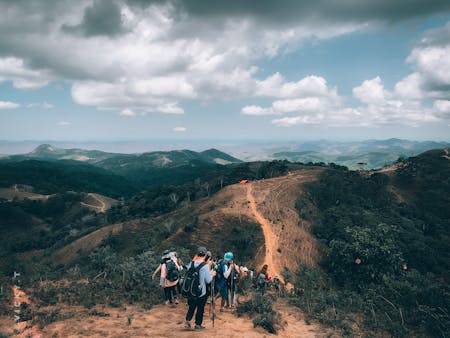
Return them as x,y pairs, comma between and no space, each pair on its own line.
103,18
378,106
276,86
286,11
310,95
150,55
8,105
44,105
431,63
118,55
127,112
442,108
179,129
15,70
64,123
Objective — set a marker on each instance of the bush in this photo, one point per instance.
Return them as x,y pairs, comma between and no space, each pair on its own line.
260,308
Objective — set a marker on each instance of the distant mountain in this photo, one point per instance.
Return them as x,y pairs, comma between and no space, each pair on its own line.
372,153
156,159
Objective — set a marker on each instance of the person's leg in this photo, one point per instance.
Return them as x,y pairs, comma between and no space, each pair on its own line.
192,306
200,310
167,296
233,292
224,295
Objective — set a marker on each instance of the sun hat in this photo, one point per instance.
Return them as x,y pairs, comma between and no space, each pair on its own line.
228,256
201,251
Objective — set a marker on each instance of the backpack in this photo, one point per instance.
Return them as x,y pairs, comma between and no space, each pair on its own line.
191,283
172,271
219,270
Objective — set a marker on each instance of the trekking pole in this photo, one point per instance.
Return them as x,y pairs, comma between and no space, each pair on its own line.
212,307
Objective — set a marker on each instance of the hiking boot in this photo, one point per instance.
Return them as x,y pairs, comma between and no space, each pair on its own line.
199,327
187,325
222,309
176,301
167,302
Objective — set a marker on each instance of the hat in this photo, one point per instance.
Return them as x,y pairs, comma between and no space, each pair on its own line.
201,251
228,256
166,252
208,253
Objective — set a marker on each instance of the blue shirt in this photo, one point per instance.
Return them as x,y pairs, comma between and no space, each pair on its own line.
204,276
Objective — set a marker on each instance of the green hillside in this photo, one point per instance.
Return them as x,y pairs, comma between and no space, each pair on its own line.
386,248
64,175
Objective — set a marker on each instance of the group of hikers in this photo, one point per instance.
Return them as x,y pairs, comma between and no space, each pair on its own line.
203,276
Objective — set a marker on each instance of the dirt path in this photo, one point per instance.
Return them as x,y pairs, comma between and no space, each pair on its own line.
269,237
163,321
287,237
100,203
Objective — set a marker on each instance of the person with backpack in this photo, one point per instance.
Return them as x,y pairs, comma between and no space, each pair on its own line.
170,274
232,282
198,275
262,279
224,268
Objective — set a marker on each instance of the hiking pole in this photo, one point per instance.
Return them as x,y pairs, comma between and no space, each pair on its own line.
212,302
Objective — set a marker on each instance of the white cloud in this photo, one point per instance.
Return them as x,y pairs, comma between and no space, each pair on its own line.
379,105
431,62
370,91
179,129
64,123
298,120
14,69
44,105
442,107
8,105
127,112
276,86
257,111
159,56
410,87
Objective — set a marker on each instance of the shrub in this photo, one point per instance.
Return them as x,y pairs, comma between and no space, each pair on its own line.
260,308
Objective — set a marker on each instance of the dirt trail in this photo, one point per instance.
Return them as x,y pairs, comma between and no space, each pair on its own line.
102,203
163,321
287,237
269,237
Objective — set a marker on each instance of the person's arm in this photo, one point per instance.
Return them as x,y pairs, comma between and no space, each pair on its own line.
207,273
163,272
156,271
227,271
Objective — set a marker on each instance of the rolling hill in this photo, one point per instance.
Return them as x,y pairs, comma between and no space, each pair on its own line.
365,251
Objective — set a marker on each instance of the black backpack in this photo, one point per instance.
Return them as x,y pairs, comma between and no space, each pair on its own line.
172,271
219,270
191,283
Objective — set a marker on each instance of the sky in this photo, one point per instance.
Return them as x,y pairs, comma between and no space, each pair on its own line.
224,70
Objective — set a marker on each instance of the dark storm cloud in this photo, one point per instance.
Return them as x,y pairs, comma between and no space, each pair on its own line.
281,11
102,18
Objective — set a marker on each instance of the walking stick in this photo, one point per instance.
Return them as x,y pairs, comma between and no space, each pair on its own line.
212,307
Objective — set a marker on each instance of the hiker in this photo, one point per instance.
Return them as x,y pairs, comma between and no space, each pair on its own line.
223,269
172,255
158,269
262,279
211,264
232,281
205,276
170,273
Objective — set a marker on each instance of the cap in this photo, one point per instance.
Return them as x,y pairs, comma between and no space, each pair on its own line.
201,250
228,256
208,253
